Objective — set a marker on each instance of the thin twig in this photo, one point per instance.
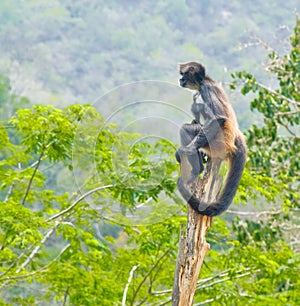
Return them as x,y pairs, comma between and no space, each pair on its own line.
265,45
277,94
147,275
204,302
33,175
11,187
37,248
289,130
39,270
34,252
78,201
252,213
34,164
201,282
225,279
12,265
65,297
287,113
128,283
165,302
162,292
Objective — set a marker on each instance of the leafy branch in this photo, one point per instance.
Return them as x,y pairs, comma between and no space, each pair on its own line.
147,275
50,232
33,175
40,270
72,206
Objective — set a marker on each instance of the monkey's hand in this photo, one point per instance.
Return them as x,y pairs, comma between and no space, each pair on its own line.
206,136
189,150
194,121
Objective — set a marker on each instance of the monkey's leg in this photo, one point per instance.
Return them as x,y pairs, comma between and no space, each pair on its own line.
205,136
195,136
187,133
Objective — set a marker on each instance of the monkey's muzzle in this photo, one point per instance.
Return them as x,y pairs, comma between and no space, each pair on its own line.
182,82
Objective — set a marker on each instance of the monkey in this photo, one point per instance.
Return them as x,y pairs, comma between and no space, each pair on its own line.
224,144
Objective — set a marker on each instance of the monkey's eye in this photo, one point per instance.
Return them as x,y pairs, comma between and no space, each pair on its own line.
180,73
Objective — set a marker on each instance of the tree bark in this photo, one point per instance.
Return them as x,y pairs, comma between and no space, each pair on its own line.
193,246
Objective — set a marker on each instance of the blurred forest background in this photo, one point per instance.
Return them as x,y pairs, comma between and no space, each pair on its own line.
89,213
61,52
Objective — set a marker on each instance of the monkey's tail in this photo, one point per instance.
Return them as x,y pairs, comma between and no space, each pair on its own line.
236,167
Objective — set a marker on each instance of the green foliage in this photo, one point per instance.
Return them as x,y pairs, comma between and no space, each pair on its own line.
274,146
50,239
52,132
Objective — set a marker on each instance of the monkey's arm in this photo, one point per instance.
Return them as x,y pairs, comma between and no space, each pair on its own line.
187,133
197,109
200,108
204,137
195,136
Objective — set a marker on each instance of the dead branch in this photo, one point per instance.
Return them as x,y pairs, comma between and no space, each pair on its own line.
193,246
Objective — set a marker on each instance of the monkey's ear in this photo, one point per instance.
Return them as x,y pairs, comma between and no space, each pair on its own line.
202,71
200,74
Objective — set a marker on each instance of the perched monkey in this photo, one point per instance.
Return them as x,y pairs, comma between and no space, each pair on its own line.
226,143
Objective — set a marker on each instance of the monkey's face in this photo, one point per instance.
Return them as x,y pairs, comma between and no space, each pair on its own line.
188,81
192,75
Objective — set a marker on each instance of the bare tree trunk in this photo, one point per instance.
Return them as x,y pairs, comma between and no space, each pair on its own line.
193,246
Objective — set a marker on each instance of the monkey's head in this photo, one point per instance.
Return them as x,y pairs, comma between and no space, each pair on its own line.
192,75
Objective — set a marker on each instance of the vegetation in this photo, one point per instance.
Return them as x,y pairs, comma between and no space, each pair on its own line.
89,213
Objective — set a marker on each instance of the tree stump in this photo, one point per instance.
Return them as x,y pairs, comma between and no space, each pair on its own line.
193,246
